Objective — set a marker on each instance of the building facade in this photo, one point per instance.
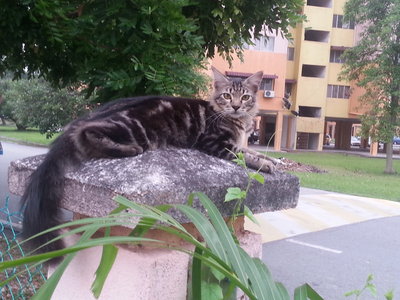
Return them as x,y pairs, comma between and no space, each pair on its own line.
307,68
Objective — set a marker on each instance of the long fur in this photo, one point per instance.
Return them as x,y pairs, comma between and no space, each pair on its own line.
41,200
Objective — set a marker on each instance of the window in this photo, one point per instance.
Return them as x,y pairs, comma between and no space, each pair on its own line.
290,53
288,88
309,111
335,56
338,91
316,35
267,84
320,3
313,71
264,44
337,22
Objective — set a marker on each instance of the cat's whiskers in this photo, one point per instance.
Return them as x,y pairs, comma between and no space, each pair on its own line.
215,120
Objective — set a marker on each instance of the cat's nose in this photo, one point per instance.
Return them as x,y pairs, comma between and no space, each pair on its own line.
235,107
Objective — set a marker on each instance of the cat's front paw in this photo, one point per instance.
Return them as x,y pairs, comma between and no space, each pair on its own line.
268,166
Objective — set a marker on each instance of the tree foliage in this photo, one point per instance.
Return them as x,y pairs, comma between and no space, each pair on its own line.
35,103
126,47
374,63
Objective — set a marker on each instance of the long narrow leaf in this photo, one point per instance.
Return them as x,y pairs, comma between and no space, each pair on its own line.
261,282
108,256
225,237
306,292
196,274
284,294
146,223
205,228
149,211
78,247
227,272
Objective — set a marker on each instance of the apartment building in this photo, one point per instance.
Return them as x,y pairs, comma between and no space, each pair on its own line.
307,68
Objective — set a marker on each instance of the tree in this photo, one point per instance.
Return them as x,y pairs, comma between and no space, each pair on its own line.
374,64
35,103
126,48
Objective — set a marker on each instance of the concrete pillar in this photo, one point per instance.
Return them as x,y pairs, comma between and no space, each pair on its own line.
321,141
373,149
343,135
291,134
262,136
278,131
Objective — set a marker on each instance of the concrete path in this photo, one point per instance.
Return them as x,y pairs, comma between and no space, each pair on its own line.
318,210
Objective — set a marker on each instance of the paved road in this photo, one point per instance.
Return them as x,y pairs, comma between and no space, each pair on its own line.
338,260
12,152
318,210
333,242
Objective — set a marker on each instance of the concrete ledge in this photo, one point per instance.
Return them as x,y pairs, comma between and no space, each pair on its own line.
160,177
155,177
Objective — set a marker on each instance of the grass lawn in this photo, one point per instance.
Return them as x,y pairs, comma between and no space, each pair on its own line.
348,174
29,135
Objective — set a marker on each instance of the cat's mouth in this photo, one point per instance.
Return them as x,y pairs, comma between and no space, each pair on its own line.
237,114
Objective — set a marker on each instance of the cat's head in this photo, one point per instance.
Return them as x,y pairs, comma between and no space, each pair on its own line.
236,98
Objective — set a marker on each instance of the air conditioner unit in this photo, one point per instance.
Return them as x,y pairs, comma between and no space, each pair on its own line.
269,94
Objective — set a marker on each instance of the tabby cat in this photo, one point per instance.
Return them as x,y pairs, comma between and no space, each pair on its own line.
128,127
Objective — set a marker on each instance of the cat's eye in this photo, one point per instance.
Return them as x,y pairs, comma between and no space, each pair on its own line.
245,97
226,96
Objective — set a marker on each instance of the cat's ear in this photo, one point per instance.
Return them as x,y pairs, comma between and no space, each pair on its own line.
253,82
219,79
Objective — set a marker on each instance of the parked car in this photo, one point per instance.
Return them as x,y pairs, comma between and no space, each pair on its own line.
327,140
396,140
253,137
1,149
355,141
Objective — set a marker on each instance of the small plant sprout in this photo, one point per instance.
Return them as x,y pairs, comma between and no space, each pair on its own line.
236,193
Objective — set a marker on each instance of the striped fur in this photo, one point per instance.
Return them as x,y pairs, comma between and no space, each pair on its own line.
128,127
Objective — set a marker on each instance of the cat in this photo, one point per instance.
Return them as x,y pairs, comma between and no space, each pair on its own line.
128,127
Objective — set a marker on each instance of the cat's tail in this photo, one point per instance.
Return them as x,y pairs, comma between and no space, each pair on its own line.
42,197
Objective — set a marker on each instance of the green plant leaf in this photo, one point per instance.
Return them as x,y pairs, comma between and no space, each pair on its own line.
306,292
150,212
260,281
211,291
389,295
206,229
196,274
234,193
239,159
248,213
257,176
217,274
107,260
145,223
225,237
284,294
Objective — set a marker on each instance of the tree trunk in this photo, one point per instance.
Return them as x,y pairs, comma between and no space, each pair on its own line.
389,159
20,126
394,104
3,121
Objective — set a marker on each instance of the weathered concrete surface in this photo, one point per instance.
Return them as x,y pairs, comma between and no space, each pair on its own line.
155,177
159,177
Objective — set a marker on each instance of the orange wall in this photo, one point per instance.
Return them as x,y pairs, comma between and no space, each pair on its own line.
356,107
